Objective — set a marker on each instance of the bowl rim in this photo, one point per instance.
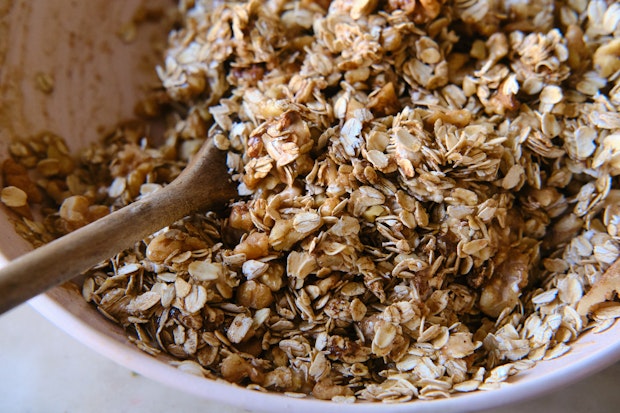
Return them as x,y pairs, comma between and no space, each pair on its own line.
251,400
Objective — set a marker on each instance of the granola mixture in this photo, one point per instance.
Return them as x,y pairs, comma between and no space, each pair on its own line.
429,198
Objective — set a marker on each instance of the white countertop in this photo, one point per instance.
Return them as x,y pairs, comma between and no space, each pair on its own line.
44,370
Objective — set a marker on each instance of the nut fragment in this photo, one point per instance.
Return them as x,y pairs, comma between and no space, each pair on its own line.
256,245
602,290
607,58
504,288
170,243
254,294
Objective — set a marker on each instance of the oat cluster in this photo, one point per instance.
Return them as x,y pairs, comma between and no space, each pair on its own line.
428,193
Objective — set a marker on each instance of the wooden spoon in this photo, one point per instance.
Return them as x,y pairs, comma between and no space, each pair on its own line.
203,184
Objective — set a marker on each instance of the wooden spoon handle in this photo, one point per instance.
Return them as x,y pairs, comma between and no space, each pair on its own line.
205,185
68,256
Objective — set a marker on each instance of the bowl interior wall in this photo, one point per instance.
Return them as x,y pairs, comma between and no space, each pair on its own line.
101,58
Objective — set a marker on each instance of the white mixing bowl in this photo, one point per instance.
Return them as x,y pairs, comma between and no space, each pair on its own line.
97,77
